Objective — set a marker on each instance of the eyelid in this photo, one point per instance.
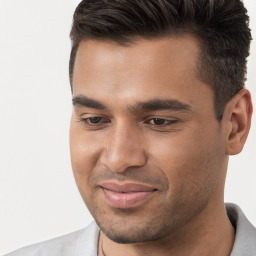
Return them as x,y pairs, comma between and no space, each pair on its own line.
169,122
89,114
86,121
167,119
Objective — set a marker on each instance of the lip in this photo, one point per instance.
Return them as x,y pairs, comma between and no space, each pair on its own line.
126,195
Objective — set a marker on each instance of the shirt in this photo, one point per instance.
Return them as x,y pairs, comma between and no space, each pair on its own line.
85,242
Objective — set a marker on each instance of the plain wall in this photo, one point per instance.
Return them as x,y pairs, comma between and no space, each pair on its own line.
38,196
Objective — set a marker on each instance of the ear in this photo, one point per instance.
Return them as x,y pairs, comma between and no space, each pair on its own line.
237,116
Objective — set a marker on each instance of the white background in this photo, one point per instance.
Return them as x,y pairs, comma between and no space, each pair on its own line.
38,196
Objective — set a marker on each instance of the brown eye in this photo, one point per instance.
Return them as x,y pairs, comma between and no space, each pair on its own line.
158,121
95,120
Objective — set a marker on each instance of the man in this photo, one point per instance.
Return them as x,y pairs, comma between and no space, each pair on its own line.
159,105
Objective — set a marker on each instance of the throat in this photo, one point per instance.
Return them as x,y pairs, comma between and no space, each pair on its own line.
100,246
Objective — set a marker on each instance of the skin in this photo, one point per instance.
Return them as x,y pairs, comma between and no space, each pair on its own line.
181,151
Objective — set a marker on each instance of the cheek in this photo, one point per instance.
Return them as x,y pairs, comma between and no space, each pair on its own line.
190,160
84,149
83,158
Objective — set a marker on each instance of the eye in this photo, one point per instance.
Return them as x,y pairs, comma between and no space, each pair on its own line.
94,120
161,121
157,121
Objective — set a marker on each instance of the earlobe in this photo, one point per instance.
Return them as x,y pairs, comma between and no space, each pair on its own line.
238,115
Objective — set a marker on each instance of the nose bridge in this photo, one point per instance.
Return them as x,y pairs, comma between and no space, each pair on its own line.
124,148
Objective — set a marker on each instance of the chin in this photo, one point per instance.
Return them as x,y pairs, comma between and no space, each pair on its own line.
132,237
128,231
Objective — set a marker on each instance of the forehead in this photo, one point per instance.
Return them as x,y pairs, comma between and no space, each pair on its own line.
174,52
147,68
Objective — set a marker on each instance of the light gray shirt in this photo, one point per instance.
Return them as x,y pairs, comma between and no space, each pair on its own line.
85,242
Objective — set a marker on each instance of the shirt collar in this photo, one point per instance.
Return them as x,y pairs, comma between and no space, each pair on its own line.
245,239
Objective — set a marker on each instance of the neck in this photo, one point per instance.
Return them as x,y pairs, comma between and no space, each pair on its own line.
210,233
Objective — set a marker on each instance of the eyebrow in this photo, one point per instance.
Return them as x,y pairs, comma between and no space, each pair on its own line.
150,105
162,104
83,101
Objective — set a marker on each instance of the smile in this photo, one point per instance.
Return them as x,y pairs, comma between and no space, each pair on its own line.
126,195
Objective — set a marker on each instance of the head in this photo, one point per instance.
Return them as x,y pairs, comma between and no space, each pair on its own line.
159,105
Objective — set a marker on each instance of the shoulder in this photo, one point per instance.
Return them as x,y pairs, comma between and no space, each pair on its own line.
81,242
245,240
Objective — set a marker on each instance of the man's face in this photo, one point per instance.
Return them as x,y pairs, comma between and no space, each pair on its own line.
147,151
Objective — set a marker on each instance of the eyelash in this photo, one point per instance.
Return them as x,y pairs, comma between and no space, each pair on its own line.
166,121
88,121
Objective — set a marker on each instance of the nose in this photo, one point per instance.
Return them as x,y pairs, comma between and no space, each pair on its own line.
124,148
